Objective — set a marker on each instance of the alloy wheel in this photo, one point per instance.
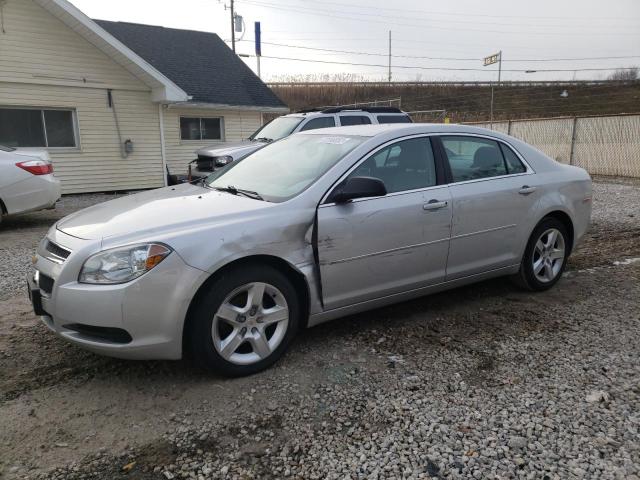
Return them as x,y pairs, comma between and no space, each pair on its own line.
250,323
548,255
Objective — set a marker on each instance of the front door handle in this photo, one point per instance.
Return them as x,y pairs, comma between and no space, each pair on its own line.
526,190
434,205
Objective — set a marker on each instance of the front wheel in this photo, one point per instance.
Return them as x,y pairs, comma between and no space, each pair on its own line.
545,257
245,322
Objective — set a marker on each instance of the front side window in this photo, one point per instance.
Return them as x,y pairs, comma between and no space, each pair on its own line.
196,128
406,165
320,122
472,158
283,169
28,127
346,120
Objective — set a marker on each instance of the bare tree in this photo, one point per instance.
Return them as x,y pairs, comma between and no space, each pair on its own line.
625,74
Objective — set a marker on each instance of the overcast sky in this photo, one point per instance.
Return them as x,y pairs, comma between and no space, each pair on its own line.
467,29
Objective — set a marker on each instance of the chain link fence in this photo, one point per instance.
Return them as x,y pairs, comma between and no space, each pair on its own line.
607,145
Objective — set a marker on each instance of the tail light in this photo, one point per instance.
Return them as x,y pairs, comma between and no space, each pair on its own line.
36,167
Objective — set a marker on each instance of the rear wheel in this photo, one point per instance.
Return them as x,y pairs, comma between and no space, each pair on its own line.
545,257
245,321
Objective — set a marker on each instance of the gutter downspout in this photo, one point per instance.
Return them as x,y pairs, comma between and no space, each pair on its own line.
162,146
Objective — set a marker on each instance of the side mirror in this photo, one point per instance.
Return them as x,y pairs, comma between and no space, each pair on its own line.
358,187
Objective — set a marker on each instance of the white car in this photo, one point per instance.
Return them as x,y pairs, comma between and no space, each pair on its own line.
27,182
213,157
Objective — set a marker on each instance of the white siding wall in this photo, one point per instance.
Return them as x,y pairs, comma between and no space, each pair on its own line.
237,126
43,63
97,164
38,48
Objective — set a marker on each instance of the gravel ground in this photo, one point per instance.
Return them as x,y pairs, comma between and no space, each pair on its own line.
484,381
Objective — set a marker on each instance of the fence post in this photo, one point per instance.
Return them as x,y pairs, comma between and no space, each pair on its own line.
509,127
573,139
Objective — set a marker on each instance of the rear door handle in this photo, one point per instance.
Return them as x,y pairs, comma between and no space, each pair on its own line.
526,190
434,205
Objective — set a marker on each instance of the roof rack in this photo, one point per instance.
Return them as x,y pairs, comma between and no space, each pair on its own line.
365,109
352,109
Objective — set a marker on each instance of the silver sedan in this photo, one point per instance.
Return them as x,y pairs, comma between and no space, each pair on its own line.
314,227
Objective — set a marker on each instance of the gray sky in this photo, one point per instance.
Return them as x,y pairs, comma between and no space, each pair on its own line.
523,30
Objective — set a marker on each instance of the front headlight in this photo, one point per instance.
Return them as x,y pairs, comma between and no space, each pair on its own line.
123,264
222,161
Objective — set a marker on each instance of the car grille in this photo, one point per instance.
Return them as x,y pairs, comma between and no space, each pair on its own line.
205,164
45,282
55,252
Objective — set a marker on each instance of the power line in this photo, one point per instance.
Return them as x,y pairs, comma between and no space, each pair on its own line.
472,14
351,52
354,16
415,67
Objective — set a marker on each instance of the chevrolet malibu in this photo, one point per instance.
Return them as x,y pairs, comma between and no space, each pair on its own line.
316,226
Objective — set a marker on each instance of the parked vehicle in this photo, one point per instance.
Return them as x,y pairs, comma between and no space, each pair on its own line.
27,182
216,156
319,225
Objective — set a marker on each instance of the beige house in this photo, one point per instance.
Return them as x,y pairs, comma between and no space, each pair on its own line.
116,104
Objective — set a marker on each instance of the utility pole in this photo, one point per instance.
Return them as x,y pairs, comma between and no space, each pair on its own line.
233,29
389,56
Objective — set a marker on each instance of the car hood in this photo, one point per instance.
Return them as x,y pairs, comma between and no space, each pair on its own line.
157,211
233,149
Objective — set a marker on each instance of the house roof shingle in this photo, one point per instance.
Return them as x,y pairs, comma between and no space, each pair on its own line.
198,62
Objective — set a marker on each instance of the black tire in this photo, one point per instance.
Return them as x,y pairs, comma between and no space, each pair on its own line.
526,278
200,340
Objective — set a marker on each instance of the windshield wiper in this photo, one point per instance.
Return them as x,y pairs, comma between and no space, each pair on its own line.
263,139
239,191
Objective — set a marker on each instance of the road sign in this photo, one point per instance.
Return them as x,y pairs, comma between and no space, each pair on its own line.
258,35
490,60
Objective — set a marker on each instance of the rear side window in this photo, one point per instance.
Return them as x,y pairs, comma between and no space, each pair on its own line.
346,120
393,119
472,158
514,165
320,122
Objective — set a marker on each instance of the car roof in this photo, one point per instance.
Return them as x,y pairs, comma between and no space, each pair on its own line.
402,129
378,134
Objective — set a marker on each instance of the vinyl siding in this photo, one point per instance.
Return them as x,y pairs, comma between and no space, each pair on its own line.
43,63
38,48
237,126
97,165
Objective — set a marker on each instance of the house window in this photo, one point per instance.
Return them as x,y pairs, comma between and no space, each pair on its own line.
37,127
194,128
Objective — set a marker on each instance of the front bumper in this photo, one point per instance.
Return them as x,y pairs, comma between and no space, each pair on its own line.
142,319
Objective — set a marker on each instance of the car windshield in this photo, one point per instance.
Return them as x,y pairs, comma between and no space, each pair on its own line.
277,129
285,168
6,149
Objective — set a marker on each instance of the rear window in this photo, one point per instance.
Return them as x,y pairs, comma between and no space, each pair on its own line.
346,120
393,119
